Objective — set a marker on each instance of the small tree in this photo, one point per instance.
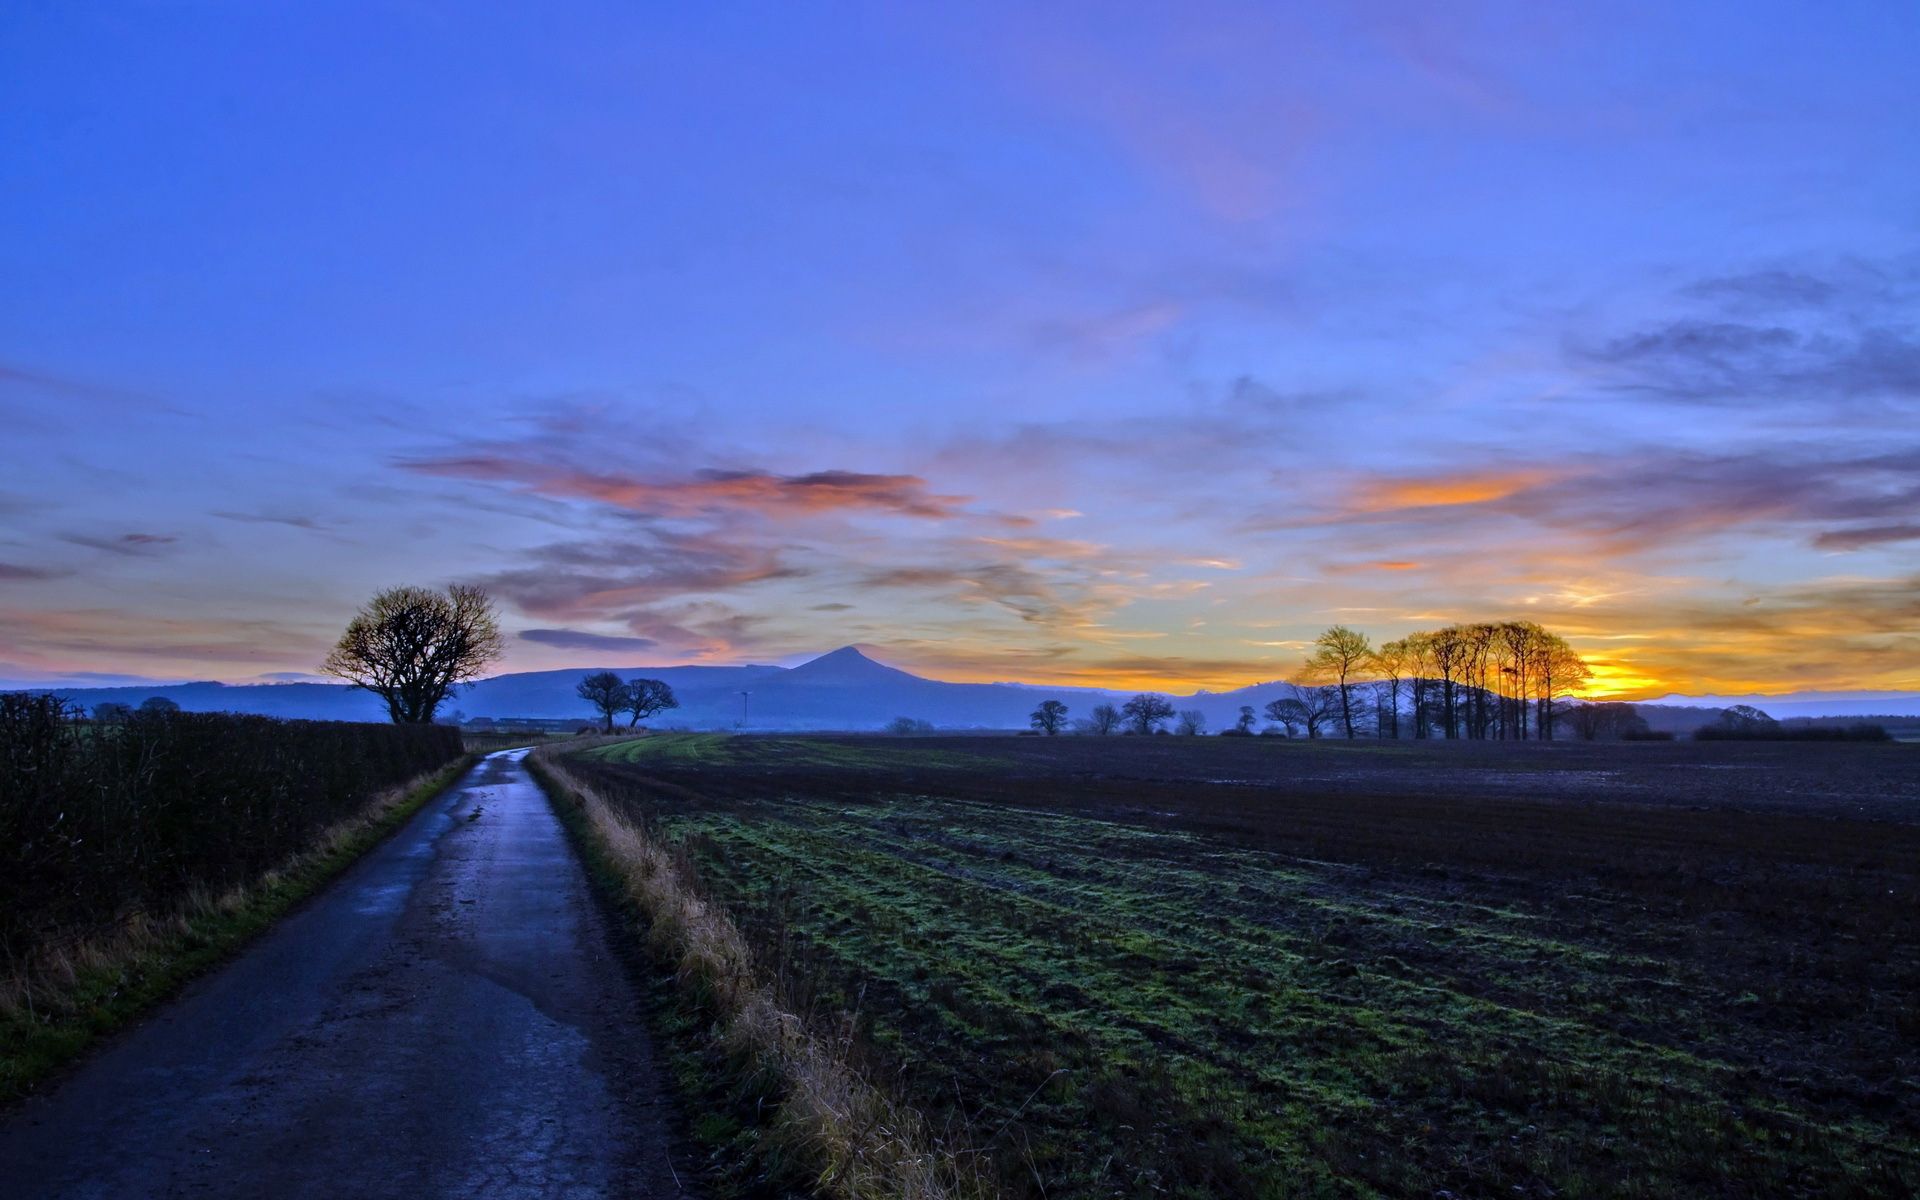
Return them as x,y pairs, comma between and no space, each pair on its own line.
1247,718
1146,711
645,697
1103,720
111,710
412,646
1050,717
1193,722
909,726
607,695
159,704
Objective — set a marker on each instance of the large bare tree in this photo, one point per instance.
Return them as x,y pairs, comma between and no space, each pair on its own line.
646,698
606,693
1391,663
413,646
1340,656
1305,704
1145,711
1050,718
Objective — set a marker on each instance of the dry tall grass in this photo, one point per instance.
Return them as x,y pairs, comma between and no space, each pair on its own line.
860,1144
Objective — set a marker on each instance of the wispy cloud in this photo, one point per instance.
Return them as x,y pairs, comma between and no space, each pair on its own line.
291,520
16,572
574,639
128,545
708,491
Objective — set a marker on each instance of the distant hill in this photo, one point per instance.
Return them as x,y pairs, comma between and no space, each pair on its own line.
843,690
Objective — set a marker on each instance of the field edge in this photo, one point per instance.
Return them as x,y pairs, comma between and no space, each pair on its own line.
787,1112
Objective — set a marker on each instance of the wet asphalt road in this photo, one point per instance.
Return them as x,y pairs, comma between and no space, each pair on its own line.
448,1019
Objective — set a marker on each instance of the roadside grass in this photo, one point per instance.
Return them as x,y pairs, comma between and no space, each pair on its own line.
788,1106
1590,1004
77,994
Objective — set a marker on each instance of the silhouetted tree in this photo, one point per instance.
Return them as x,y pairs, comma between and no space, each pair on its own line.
606,693
645,697
909,726
1146,711
1339,656
1609,721
1391,662
1192,722
1286,713
1305,705
412,646
1050,718
1103,720
159,704
1449,650
111,710
1245,723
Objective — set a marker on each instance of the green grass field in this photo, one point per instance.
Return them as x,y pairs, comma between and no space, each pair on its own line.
1144,1006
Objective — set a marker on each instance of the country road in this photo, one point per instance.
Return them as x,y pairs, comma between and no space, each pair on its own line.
447,1019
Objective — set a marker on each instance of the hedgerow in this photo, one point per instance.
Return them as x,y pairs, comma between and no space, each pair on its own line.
104,821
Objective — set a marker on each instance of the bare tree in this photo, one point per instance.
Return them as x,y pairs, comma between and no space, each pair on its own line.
1103,720
1558,674
1340,655
1245,723
1050,717
1419,649
1449,651
1390,662
1608,720
413,646
1306,705
606,693
1286,713
1192,722
1145,711
645,697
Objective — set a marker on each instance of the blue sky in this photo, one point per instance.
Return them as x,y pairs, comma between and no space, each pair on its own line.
1093,344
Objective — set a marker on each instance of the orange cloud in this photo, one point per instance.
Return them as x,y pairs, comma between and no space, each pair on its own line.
706,491
1439,491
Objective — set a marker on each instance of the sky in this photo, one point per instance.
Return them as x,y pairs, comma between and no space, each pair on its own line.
1116,344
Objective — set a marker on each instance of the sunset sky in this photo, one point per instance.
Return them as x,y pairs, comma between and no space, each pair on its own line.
1103,344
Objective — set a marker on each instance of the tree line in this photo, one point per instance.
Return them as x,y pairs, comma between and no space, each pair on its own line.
1506,680
1503,680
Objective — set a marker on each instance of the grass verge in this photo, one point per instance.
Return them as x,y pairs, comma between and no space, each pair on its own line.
53,1011
825,1121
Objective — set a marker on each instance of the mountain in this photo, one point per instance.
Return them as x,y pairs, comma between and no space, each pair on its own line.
1808,704
844,690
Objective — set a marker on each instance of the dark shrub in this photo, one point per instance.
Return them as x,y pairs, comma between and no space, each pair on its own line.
100,820
1859,731
1646,735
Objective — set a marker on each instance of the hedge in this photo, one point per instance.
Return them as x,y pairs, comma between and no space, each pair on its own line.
99,820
